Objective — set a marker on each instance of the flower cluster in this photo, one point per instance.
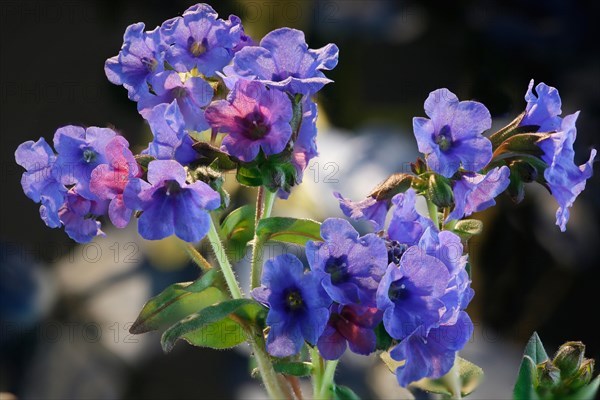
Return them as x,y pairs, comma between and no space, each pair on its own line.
195,73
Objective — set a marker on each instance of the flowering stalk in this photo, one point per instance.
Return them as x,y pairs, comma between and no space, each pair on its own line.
221,256
264,206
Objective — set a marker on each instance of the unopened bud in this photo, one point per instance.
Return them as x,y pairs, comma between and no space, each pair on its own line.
418,167
440,191
583,375
548,374
569,358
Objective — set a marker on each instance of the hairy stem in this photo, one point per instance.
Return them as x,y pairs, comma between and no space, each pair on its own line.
264,206
327,381
196,257
219,250
267,372
317,372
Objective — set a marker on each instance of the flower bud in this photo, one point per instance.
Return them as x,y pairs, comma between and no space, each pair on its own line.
440,191
548,375
583,376
419,166
569,358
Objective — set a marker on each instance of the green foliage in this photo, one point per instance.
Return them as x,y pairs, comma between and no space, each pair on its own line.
344,393
289,230
468,228
176,302
237,230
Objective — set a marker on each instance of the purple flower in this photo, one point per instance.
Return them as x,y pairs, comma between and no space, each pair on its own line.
544,109
171,140
79,214
453,134
298,306
109,180
80,150
349,325
368,209
199,39
139,58
38,181
284,61
255,118
170,205
475,192
447,247
410,293
407,225
431,354
191,96
305,145
351,266
565,179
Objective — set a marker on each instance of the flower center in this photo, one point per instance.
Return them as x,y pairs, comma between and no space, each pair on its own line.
395,251
253,126
89,155
443,138
149,63
337,267
293,300
398,290
197,48
172,187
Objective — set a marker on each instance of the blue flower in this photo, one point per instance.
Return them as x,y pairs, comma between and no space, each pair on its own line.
199,39
544,109
368,209
139,58
453,134
475,192
410,293
38,181
564,178
80,150
191,96
351,266
284,61
447,247
255,117
349,325
305,145
171,140
298,306
79,216
407,225
431,354
170,205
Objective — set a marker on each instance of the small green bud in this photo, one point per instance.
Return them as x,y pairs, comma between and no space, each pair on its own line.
548,375
419,166
440,191
569,358
583,375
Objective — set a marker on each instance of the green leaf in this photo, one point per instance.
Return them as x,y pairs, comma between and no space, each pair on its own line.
588,392
535,349
289,230
237,230
468,228
210,155
394,184
470,376
176,302
294,368
526,380
249,175
220,326
384,340
143,160
523,143
344,393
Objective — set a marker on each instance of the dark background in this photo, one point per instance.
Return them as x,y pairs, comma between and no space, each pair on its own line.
528,276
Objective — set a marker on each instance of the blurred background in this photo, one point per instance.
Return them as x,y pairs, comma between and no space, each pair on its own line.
66,309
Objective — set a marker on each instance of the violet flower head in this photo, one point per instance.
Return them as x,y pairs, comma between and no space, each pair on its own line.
79,216
109,180
410,293
199,39
431,354
453,134
139,58
169,204
255,118
351,266
284,61
305,145
298,305
38,181
543,109
368,209
407,225
191,97
352,326
80,150
475,192
171,140
564,178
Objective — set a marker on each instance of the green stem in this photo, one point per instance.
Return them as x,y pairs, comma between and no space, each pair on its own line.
317,372
196,257
264,206
433,212
327,381
219,250
452,379
267,372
